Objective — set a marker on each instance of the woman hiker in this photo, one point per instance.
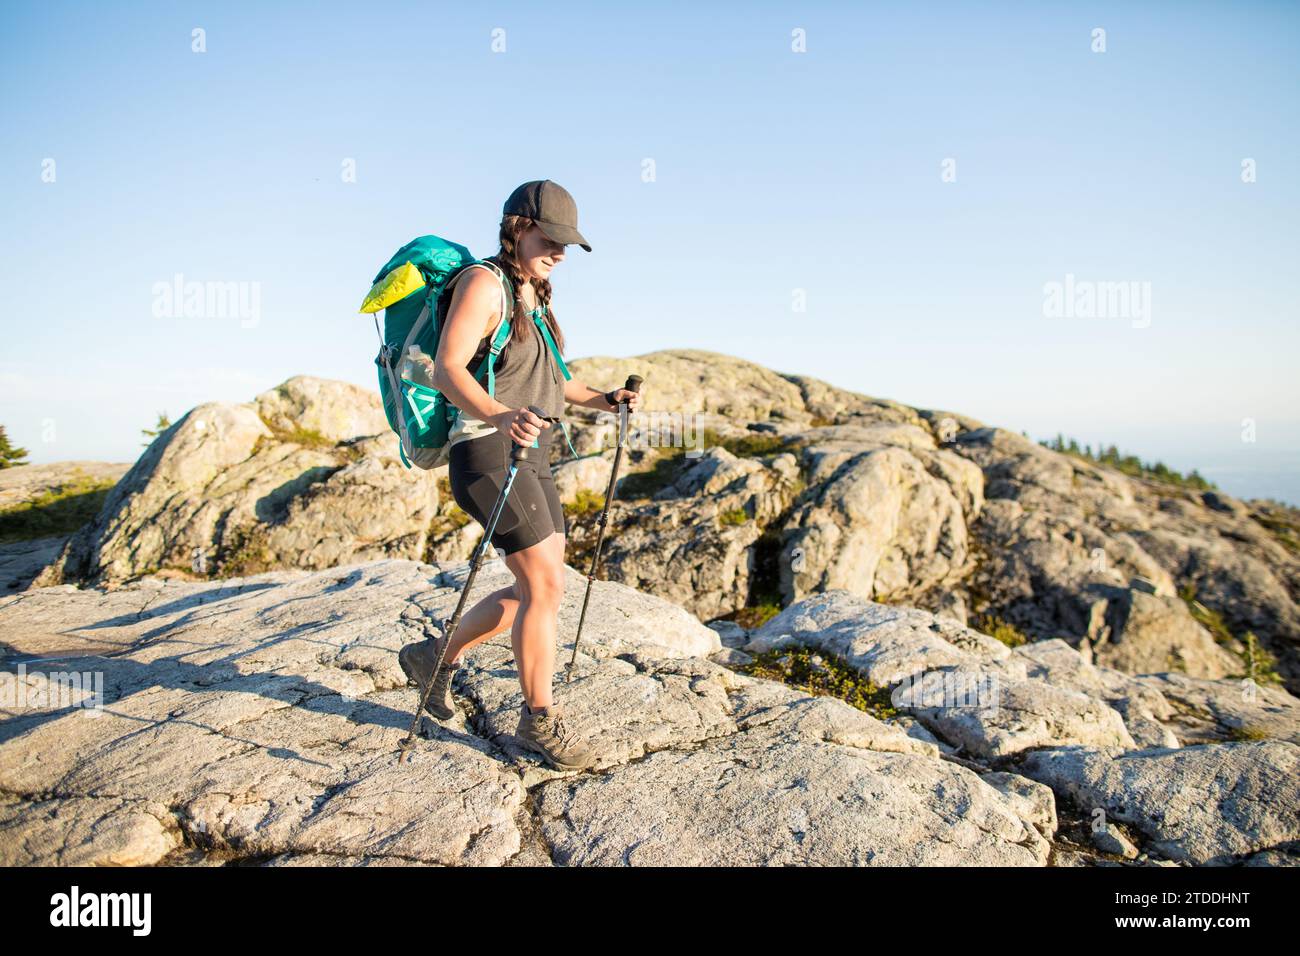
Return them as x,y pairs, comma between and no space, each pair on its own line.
539,219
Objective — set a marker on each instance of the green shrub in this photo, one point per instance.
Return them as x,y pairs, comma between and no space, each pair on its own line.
735,516
349,451
1209,619
450,520
1258,663
246,551
1281,522
586,503
584,528
996,627
307,437
1248,732
824,675
58,511
1261,666
750,445
645,484
753,616
754,446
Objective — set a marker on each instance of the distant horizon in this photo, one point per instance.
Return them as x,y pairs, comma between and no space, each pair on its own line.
1049,219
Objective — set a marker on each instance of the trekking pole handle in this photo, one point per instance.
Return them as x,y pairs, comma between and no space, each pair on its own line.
520,452
633,384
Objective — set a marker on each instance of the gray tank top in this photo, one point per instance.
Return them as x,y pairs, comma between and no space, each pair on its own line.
526,374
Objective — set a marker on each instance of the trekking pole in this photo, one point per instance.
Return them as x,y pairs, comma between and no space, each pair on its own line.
633,385
517,454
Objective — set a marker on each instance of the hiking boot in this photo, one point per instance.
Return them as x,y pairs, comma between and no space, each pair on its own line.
417,660
546,732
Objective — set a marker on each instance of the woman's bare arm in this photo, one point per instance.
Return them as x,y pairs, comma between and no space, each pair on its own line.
476,303
580,393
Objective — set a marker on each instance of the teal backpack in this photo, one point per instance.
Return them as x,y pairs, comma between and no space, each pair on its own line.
408,289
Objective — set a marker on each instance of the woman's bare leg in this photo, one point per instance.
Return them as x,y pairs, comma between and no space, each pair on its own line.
488,618
539,576
556,541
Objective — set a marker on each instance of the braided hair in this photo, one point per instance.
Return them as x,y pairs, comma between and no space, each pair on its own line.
512,228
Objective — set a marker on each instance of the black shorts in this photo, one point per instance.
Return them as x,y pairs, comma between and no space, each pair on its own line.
477,471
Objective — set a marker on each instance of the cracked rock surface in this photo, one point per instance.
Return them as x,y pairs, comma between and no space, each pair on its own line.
1206,770
790,487
1204,804
933,509
258,719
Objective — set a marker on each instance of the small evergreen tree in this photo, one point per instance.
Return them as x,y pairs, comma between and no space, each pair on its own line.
163,424
9,455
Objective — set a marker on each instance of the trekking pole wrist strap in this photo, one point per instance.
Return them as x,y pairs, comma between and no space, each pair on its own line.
609,398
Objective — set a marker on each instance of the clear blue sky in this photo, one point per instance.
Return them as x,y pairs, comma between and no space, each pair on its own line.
775,171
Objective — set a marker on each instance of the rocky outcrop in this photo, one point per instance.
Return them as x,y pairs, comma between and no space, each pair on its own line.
934,509
85,832
305,476
965,687
1059,558
886,644
694,542
889,514
990,715
745,490
72,489
1210,804
1097,736
1040,694
335,411
787,802
258,718
1148,716
1205,711
22,562
254,715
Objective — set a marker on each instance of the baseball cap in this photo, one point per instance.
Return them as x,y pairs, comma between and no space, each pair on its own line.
550,205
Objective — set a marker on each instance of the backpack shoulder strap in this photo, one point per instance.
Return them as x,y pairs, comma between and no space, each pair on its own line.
507,298
490,360
550,343
502,334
